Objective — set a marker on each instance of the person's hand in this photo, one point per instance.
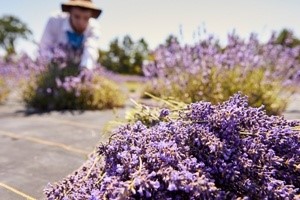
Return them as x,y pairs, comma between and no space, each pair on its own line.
85,74
83,68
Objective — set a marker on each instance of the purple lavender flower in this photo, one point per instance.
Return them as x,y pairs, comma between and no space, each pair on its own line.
164,113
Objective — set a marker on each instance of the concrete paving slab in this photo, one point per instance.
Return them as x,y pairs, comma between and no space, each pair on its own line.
30,166
79,137
10,195
293,109
39,148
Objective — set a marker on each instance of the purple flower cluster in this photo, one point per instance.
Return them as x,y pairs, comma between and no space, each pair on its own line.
19,68
74,83
224,151
268,73
281,62
63,84
175,64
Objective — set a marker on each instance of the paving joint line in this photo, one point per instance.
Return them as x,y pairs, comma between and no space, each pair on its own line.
44,142
67,122
16,191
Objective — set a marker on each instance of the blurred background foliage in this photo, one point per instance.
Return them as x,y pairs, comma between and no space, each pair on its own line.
286,37
125,56
11,29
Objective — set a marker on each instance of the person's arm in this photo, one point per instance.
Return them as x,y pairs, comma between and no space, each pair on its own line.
91,48
47,39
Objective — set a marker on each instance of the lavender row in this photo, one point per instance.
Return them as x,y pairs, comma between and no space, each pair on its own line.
268,73
281,61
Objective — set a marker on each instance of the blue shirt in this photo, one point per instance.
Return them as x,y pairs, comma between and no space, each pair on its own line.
75,39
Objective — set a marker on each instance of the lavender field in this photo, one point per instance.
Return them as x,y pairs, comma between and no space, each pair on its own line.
227,125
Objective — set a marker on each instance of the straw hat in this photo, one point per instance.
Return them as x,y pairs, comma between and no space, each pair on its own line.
82,4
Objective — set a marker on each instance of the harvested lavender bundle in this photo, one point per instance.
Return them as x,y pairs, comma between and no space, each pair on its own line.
224,151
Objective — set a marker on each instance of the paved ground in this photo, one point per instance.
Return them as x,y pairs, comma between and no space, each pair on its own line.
40,148
293,110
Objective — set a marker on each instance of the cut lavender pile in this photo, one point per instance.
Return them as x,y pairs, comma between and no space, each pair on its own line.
227,151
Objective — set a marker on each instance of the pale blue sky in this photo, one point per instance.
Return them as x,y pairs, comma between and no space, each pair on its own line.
154,20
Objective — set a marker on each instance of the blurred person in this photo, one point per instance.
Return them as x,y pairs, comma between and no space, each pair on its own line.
76,29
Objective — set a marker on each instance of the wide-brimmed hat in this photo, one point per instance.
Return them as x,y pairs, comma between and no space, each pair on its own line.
88,4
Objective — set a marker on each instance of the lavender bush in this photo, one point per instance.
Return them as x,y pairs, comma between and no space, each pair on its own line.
54,81
4,91
267,73
19,68
61,84
64,86
224,151
16,71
